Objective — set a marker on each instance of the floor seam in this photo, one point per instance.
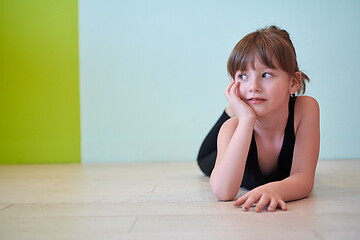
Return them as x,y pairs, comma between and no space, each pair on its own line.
318,235
6,207
132,226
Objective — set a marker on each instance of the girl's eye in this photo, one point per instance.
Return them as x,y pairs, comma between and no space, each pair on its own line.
266,75
242,77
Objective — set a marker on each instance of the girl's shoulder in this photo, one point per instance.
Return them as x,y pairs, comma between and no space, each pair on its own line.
305,104
306,111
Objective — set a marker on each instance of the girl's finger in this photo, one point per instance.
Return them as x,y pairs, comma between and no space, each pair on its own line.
273,205
241,200
282,205
250,201
229,86
233,89
227,90
264,200
237,92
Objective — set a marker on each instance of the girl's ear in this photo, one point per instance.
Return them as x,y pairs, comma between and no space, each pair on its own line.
295,82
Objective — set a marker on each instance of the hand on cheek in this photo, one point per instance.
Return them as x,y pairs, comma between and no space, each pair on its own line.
238,106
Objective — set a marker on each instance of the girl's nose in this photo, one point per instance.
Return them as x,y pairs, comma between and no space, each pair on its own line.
254,86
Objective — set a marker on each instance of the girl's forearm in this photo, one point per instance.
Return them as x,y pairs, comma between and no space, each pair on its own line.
228,172
294,187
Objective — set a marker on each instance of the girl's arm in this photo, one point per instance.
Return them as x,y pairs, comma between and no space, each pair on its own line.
301,180
233,146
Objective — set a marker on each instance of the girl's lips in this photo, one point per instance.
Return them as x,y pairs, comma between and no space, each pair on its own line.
256,100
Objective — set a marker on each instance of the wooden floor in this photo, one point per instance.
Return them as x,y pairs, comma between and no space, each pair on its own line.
165,201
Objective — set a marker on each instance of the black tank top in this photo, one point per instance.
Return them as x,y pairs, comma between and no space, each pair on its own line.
253,177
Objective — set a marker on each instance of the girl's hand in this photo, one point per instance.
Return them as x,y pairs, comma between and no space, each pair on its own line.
238,107
261,196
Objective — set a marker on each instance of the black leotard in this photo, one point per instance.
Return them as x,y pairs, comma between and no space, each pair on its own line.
253,177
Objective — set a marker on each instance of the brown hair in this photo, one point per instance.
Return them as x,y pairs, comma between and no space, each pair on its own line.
274,49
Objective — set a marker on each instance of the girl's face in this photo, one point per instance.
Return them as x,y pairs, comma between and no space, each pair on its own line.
265,89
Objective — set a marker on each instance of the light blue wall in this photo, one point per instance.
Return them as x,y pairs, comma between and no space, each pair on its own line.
153,72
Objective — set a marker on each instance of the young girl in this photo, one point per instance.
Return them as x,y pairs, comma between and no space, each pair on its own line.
270,145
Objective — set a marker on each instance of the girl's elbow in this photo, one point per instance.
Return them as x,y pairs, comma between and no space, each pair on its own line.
224,197
222,193
304,185
308,189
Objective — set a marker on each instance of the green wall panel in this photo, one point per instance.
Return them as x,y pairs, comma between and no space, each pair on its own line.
39,82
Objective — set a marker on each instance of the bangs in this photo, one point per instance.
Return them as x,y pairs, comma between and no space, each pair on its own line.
253,51
268,49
